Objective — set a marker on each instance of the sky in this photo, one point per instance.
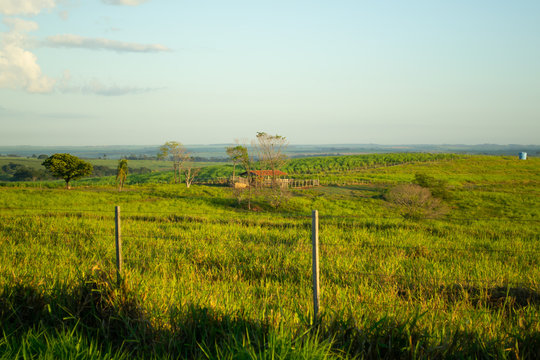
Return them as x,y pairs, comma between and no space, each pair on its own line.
119,72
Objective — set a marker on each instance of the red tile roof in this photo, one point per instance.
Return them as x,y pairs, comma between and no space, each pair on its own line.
266,173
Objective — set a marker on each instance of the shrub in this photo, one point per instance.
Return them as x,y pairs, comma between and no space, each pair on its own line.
415,202
438,188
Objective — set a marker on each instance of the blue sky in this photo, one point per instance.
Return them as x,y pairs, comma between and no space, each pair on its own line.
103,72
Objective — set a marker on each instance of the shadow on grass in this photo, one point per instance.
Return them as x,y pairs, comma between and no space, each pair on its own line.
112,316
97,311
493,298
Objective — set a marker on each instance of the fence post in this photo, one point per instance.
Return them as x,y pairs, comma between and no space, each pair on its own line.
118,238
315,263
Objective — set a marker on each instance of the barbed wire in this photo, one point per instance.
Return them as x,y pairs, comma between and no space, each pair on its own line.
281,216
323,245
425,249
326,271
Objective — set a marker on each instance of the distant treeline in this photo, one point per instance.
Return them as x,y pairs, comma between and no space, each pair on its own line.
193,158
100,170
34,156
128,157
19,172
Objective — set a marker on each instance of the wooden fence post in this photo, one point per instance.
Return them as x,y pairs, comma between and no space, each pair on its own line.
118,238
315,263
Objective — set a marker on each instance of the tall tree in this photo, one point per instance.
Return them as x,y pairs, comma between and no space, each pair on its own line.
177,153
67,167
190,172
271,153
121,173
247,162
235,153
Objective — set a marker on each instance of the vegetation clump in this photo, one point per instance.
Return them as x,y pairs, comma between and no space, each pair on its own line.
415,202
122,173
67,167
437,187
19,172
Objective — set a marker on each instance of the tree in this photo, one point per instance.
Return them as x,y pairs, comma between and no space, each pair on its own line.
10,168
67,167
190,172
236,153
271,152
24,173
246,161
122,172
177,153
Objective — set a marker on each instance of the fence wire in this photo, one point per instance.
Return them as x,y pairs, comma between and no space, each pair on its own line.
283,216
424,282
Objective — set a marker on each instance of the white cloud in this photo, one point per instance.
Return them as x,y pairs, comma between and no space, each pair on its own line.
25,7
76,41
123,2
18,67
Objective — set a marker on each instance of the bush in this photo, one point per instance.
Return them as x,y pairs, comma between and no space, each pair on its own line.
438,188
415,202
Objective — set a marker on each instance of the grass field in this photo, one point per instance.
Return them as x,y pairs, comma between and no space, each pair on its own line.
205,278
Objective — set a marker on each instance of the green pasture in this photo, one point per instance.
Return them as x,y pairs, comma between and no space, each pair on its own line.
206,278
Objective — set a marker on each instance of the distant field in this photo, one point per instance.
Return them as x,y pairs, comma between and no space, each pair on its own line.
207,278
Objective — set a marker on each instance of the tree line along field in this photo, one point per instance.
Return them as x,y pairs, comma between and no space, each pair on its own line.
205,278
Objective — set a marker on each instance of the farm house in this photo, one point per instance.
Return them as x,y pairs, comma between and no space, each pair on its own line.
263,178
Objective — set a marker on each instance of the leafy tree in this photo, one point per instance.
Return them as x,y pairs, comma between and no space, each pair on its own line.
190,172
67,167
235,153
271,151
25,173
121,174
176,152
10,168
243,157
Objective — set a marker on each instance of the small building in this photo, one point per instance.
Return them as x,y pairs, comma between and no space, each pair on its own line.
522,156
262,178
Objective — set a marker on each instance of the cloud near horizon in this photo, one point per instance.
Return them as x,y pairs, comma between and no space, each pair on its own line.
76,41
